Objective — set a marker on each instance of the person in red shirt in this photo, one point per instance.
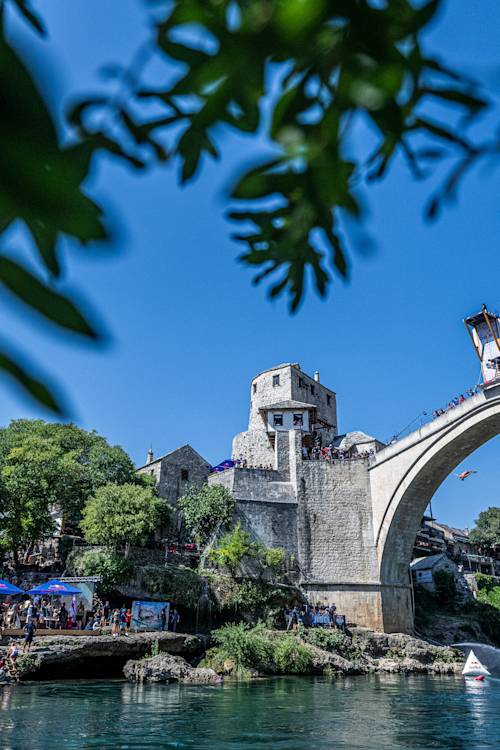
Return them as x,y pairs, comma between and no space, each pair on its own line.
128,619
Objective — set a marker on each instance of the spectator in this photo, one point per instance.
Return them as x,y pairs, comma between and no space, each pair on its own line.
175,619
163,618
29,634
115,618
63,617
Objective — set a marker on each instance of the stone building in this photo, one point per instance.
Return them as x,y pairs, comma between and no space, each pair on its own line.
282,399
318,510
176,471
424,569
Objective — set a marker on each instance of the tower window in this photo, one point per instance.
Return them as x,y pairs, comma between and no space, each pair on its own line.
312,390
328,400
254,387
276,379
278,420
301,383
184,475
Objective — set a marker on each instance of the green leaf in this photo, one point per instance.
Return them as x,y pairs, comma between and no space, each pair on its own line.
49,303
32,18
38,390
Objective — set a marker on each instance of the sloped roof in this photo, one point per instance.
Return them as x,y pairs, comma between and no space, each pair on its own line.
344,442
426,563
171,453
290,404
452,529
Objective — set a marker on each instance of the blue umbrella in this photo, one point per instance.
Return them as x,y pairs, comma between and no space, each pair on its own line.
7,588
55,588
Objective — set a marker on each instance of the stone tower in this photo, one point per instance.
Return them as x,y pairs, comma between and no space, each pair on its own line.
284,398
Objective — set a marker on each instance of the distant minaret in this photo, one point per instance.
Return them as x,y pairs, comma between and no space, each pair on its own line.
150,457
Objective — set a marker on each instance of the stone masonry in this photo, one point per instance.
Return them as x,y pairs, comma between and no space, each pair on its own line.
176,471
351,523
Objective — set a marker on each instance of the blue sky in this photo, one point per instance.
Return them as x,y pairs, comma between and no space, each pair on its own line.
188,330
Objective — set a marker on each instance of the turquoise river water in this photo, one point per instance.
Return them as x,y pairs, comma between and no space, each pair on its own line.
369,713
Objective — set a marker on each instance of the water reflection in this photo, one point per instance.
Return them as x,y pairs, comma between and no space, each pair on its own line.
356,713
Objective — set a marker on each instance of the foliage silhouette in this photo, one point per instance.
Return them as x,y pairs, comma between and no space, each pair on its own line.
304,75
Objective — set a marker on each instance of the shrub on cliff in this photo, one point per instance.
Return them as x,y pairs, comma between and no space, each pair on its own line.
206,510
233,547
113,568
293,657
181,584
273,558
446,587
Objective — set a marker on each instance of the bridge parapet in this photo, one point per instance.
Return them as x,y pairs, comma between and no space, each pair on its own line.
430,428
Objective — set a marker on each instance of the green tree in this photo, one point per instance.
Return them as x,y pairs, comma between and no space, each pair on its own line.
80,462
29,483
117,515
113,568
206,510
486,532
302,75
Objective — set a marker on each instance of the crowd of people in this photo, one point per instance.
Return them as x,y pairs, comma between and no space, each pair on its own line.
51,612
242,463
455,402
331,453
314,616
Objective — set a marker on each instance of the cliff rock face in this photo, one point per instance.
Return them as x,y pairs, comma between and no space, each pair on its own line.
168,668
75,657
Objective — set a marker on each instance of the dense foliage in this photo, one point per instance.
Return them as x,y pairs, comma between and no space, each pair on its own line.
46,467
113,568
446,588
246,648
486,532
292,657
300,75
488,591
330,640
175,582
233,547
273,558
206,510
241,648
117,515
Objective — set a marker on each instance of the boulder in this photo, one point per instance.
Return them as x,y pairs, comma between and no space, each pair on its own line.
332,663
80,656
169,668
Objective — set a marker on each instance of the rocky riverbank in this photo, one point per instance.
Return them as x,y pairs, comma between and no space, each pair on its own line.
257,651
175,657
76,657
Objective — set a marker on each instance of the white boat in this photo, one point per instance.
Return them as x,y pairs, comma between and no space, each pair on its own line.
474,668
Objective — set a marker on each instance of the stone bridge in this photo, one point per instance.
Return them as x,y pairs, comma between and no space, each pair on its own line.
403,478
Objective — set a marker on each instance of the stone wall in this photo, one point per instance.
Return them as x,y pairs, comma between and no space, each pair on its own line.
168,472
335,527
255,447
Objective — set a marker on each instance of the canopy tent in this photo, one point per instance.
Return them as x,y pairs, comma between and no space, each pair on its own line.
227,464
7,588
55,588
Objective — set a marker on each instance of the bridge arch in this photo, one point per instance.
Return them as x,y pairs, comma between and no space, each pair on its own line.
405,477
